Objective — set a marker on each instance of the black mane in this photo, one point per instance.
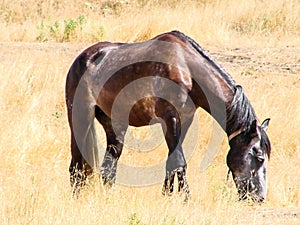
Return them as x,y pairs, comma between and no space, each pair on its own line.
240,113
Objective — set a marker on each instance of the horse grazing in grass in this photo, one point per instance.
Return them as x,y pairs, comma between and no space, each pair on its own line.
162,80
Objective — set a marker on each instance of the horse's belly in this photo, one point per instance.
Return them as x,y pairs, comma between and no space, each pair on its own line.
142,112
128,110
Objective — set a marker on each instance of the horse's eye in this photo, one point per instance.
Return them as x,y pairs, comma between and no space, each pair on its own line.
255,151
261,159
258,154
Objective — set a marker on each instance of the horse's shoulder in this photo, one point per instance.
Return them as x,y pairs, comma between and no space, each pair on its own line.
172,37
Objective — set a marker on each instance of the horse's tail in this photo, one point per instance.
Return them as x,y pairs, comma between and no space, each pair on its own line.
82,118
81,114
90,148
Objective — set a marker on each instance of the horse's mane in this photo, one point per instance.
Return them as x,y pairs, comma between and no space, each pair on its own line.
240,113
205,55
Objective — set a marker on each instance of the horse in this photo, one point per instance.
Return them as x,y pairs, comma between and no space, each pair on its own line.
162,80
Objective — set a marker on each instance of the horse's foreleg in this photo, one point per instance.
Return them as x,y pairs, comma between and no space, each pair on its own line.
182,182
115,142
176,163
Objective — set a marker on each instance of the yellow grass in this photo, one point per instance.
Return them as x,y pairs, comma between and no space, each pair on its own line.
220,22
34,134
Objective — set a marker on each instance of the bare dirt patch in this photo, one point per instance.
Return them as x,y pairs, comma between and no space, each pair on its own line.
284,61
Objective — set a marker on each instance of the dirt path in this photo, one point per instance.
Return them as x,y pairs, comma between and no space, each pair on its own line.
270,60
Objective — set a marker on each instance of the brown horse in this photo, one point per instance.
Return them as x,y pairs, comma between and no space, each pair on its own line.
162,80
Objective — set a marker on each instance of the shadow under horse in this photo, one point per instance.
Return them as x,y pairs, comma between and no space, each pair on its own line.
161,80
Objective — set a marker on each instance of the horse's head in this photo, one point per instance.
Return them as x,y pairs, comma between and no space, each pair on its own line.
247,160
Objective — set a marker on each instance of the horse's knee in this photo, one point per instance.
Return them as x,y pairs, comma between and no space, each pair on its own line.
175,160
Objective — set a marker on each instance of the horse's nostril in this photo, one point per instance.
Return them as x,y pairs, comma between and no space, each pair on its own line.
252,173
256,198
243,197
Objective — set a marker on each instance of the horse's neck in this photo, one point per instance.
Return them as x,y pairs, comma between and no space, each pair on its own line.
211,91
227,104
216,92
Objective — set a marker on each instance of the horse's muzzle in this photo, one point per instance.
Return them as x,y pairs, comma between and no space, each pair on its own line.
251,188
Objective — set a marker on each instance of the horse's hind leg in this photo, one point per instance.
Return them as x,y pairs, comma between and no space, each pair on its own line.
81,114
115,141
83,144
79,170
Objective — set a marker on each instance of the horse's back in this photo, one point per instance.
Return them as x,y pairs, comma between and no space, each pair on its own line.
141,76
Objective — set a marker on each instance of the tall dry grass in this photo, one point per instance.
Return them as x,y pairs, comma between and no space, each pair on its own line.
34,134
218,22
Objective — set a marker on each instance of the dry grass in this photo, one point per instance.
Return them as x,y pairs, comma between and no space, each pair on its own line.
215,21
34,135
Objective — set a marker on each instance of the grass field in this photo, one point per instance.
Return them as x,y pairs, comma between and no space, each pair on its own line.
255,41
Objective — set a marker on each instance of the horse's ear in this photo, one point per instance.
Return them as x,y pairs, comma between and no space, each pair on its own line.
265,124
254,129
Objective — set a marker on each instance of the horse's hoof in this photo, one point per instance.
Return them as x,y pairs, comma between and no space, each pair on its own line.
108,182
166,191
183,186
